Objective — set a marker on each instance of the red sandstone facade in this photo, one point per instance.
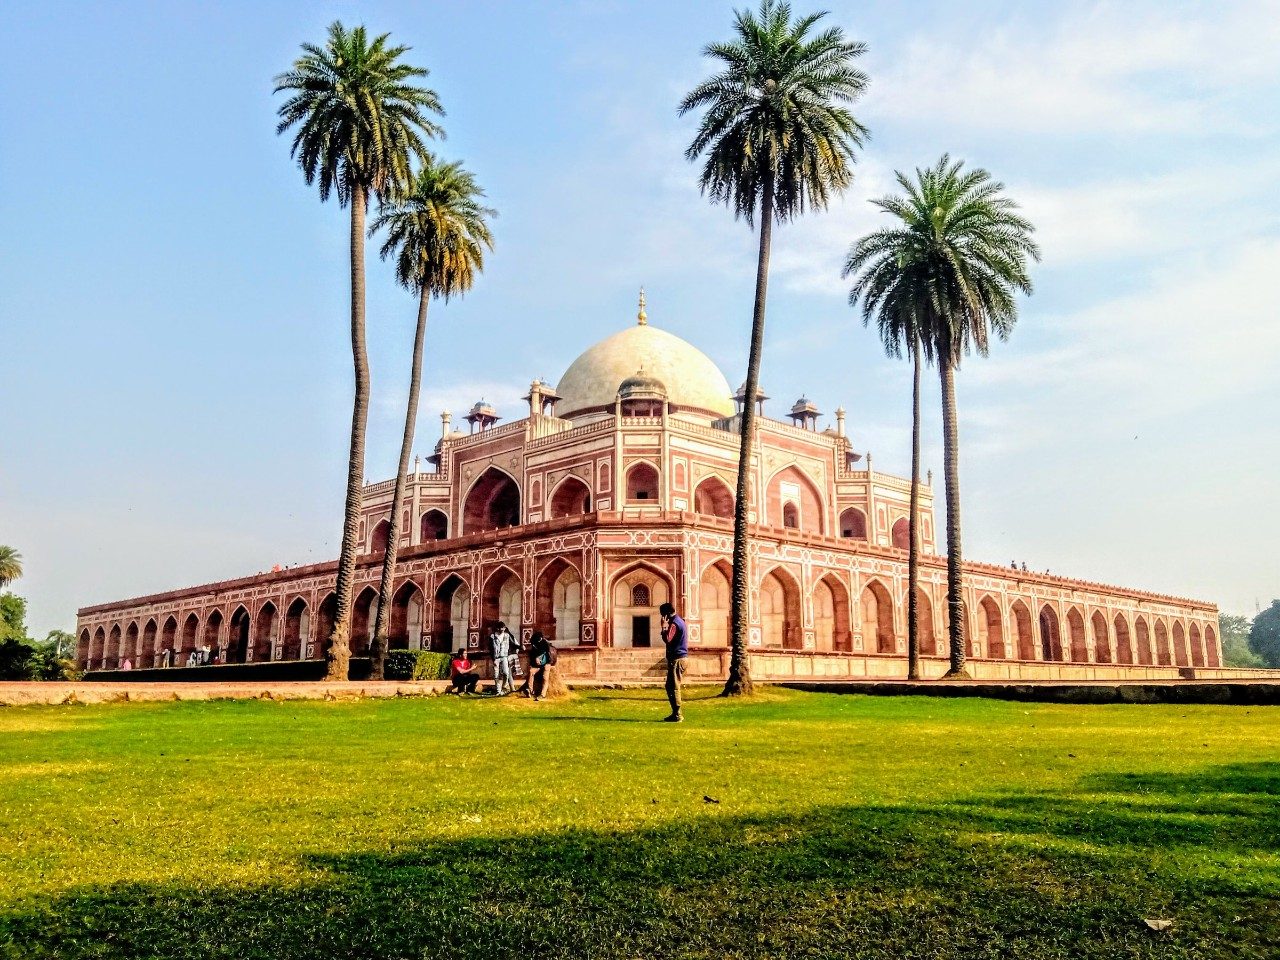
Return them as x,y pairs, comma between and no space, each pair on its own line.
582,523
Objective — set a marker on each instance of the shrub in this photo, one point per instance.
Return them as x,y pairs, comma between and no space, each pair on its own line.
416,665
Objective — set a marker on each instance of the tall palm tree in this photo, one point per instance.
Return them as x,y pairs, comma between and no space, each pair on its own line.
887,294
438,234
955,264
360,119
776,137
10,565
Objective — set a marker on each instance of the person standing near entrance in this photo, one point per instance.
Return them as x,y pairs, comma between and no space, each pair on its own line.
675,636
500,649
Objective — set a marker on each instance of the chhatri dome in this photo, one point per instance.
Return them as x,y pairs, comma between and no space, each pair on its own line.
690,377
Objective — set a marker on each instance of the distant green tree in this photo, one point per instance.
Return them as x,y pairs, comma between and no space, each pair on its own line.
1264,638
1234,632
10,565
60,643
13,618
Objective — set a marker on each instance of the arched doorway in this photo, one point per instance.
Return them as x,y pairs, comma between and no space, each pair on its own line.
791,486
902,533
780,617
434,526
642,483
557,599
1024,635
1079,643
168,639
501,599
493,503
451,614
405,629
147,653
990,629
111,660
364,614
1197,647
238,636
1180,655
129,649
853,524
1050,635
213,635
1163,655
636,596
1124,646
877,619
82,648
713,498
97,650
831,629
266,633
572,498
297,630
714,604
1101,641
1144,641
326,617
1211,647
381,534
926,632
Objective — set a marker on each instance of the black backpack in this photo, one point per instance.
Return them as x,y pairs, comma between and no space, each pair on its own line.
551,654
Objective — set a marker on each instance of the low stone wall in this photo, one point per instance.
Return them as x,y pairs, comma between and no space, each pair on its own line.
270,671
30,692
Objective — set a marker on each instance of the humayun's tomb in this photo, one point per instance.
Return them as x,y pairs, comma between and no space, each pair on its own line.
614,495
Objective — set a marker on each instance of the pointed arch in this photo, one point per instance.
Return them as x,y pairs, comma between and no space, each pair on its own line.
433,526
571,498
990,629
326,617
714,602
853,524
168,638
1101,638
558,602
926,630
712,497
792,485
297,630
1211,653
213,635
901,533
129,648
1197,646
405,628
1180,655
238,636
1143,633
1024,635
1079,644
364,614
780,616
111,660
643,483
266,633
636,624
83,645
1050,634
450,614
1124,643
502,599
147,651
379,537
492,502
98,649
877,619
1163,654
831,630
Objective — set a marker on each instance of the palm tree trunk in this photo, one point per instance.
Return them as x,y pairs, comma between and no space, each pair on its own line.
913,555
338,649
738,683
378,653
951,468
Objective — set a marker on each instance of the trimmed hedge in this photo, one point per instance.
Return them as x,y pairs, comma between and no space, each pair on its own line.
416,665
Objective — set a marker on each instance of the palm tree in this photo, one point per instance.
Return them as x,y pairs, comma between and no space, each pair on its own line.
360,119
887,294
954,265
777,136
10,565
438,236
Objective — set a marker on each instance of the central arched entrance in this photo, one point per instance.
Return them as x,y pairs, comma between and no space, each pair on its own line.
492,503
451,614
636,596
780,611
405,629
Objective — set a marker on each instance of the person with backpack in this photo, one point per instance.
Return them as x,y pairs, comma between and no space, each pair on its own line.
542,656
675,636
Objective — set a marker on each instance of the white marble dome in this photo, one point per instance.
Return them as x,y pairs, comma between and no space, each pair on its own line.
691,378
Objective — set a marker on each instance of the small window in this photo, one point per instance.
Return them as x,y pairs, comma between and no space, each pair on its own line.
640,595
791,517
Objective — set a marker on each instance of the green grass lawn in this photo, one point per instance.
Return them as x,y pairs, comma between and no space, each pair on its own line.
845,826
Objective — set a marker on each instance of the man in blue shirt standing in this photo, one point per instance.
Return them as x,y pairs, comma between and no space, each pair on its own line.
675,635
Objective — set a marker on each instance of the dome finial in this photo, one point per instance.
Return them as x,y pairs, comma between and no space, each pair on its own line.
642,318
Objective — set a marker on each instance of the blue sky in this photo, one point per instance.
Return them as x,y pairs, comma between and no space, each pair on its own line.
174,367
